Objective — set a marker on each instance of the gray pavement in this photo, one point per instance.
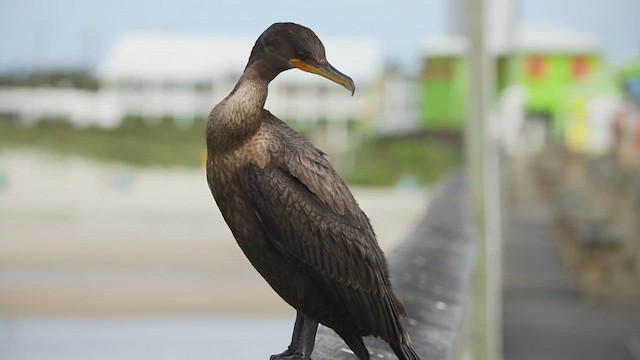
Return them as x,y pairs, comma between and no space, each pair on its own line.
544,315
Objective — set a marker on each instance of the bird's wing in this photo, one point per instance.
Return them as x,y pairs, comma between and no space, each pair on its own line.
341,255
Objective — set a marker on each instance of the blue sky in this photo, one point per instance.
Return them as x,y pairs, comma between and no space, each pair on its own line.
80,32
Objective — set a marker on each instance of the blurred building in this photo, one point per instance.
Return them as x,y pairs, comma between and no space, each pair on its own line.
80,107
183,76
155,76
542,60
397,112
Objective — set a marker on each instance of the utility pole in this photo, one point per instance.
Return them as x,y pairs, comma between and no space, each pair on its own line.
483,184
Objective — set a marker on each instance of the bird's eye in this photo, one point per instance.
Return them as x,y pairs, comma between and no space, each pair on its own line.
302,55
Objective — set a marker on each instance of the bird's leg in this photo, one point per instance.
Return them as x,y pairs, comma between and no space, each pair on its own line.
295,338
306,339
302,341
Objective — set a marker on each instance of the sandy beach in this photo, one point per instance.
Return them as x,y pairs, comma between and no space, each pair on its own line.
79,237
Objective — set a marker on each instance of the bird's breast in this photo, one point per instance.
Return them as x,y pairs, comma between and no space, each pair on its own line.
223,168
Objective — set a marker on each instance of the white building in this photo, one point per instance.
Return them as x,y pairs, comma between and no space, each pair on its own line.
398,111
182,76
78,106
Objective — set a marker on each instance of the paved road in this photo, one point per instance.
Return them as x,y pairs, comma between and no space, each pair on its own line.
544,315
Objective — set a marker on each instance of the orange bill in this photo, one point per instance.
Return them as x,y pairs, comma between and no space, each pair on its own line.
325,70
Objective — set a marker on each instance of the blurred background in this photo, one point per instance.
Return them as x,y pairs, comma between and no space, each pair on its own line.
111,245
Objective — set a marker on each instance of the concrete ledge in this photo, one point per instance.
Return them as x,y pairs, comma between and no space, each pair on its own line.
430,271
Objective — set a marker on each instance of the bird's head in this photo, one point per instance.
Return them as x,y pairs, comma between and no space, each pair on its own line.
285,46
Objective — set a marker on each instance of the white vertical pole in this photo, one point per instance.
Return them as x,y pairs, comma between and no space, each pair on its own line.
478,83
482,175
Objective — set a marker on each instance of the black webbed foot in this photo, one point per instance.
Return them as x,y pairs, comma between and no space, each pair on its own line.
283,355
289,356
280,356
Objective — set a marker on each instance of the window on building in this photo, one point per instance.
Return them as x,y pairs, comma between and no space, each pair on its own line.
440,68
131,84
290,90
172,85
204,86
323,90
579,65
536,66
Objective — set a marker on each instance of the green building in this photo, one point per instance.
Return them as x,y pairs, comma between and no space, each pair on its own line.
541,60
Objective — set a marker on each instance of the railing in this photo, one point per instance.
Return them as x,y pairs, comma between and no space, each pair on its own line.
596,203
430,272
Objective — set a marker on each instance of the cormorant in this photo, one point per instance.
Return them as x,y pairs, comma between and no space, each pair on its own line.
291,214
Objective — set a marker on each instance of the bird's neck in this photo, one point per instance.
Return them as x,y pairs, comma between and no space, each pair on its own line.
239,115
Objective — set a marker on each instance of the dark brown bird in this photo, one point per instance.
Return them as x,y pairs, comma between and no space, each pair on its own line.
290,212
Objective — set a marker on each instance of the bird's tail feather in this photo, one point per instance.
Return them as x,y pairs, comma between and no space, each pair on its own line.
356,345
405,352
